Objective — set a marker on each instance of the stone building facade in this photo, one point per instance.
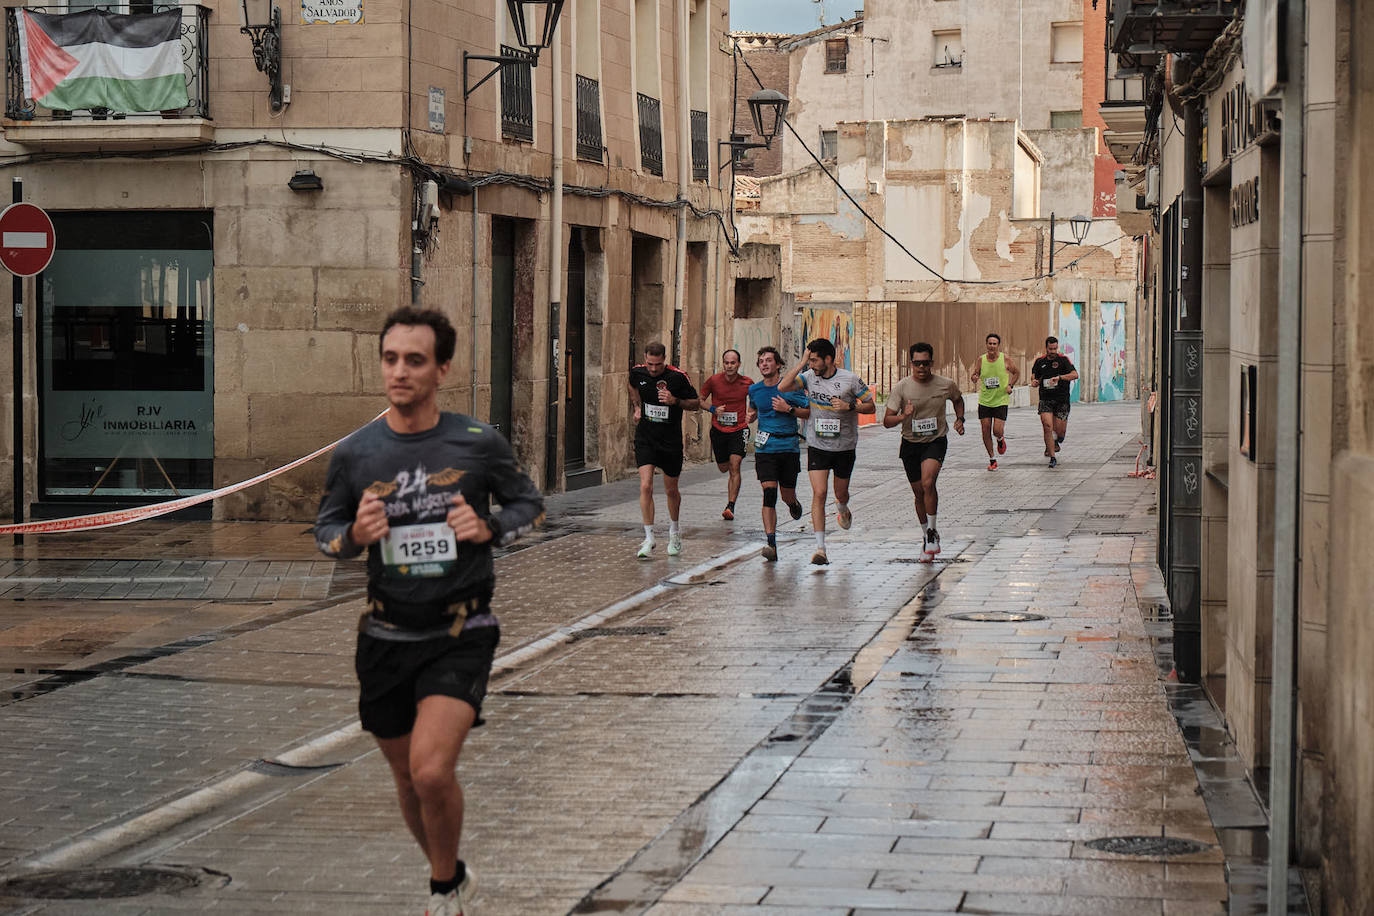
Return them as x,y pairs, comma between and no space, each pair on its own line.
193,285
1254,182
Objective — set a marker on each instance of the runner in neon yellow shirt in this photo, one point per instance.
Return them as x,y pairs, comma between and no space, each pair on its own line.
994,377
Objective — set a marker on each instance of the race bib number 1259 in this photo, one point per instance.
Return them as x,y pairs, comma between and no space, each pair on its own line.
419,551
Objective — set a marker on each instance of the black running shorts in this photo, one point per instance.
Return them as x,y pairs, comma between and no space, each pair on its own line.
842,463
781,468
395,676
667,460
996,413
1060,409
726,444
913,454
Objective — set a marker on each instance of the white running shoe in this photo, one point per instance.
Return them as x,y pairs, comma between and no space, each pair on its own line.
674,544
932,542
645,549
454,903
844,517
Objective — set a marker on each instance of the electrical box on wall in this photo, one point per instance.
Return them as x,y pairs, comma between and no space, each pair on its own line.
429,203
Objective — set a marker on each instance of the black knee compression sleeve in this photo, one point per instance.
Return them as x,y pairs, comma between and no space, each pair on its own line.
770,497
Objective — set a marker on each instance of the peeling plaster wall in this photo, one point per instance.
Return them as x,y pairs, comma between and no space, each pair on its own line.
1068,172
945,189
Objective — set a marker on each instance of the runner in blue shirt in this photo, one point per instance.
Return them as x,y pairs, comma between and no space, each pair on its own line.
777,443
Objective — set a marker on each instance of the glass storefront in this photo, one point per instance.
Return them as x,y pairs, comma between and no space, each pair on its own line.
127,394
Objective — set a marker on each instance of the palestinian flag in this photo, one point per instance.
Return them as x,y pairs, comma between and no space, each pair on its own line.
98,59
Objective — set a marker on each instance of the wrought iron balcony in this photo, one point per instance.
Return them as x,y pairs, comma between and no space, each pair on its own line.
29,123
517,97
589,142
701,147
650,134
1172,26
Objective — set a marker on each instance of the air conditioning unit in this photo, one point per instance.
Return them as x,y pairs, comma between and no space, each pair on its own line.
1152,186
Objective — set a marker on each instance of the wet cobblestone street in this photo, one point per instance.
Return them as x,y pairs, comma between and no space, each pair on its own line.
741,736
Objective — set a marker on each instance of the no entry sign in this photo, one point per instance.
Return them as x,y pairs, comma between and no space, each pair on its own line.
27,239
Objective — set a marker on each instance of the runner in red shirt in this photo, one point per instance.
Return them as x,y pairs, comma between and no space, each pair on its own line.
731,414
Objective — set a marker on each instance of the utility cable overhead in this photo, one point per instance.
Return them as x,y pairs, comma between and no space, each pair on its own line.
883,229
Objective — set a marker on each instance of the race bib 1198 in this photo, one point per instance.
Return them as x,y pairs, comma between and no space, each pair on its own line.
419,551
658,413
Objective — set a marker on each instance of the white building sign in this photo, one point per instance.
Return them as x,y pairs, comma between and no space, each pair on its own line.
331,11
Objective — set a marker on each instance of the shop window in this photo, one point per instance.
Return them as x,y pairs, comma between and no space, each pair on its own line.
837,55
126,387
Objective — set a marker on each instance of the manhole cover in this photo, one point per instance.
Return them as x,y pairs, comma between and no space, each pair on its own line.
592,632
908,560
1146,845
99,883
997,617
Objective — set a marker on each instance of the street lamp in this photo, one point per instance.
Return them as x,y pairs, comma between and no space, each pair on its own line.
262,24
1078,226
534,22
768,109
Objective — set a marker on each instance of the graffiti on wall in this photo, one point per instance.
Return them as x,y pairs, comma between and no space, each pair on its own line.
835,325
1071,337
1111,367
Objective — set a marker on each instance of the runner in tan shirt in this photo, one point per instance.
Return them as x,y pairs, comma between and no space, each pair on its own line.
917,403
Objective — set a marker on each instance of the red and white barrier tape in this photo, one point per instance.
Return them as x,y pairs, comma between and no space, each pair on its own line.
142,513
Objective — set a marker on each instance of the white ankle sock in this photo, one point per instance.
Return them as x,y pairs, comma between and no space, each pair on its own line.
820,540
648,532
930,523
672,527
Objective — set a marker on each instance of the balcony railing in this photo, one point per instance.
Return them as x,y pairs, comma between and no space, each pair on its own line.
650,134
517,97
701,147
589,143
195,56
1173,26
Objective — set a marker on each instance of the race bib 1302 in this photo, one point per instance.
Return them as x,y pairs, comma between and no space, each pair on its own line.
829,427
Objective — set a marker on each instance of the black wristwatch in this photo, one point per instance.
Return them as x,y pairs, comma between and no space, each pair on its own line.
791,411
494,527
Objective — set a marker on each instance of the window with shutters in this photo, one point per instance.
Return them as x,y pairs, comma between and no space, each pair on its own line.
837,55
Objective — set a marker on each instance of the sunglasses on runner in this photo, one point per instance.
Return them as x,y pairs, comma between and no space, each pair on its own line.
922,362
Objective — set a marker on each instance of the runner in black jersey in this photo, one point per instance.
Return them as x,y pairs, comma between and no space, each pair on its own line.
661,393
414,489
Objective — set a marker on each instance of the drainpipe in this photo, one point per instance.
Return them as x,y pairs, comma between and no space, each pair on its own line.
472,400
684,175
1287,469
551,474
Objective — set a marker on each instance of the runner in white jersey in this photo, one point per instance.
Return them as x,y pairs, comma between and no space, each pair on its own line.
837,397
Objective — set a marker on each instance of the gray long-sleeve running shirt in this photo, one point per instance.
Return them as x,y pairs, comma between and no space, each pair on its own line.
417,475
